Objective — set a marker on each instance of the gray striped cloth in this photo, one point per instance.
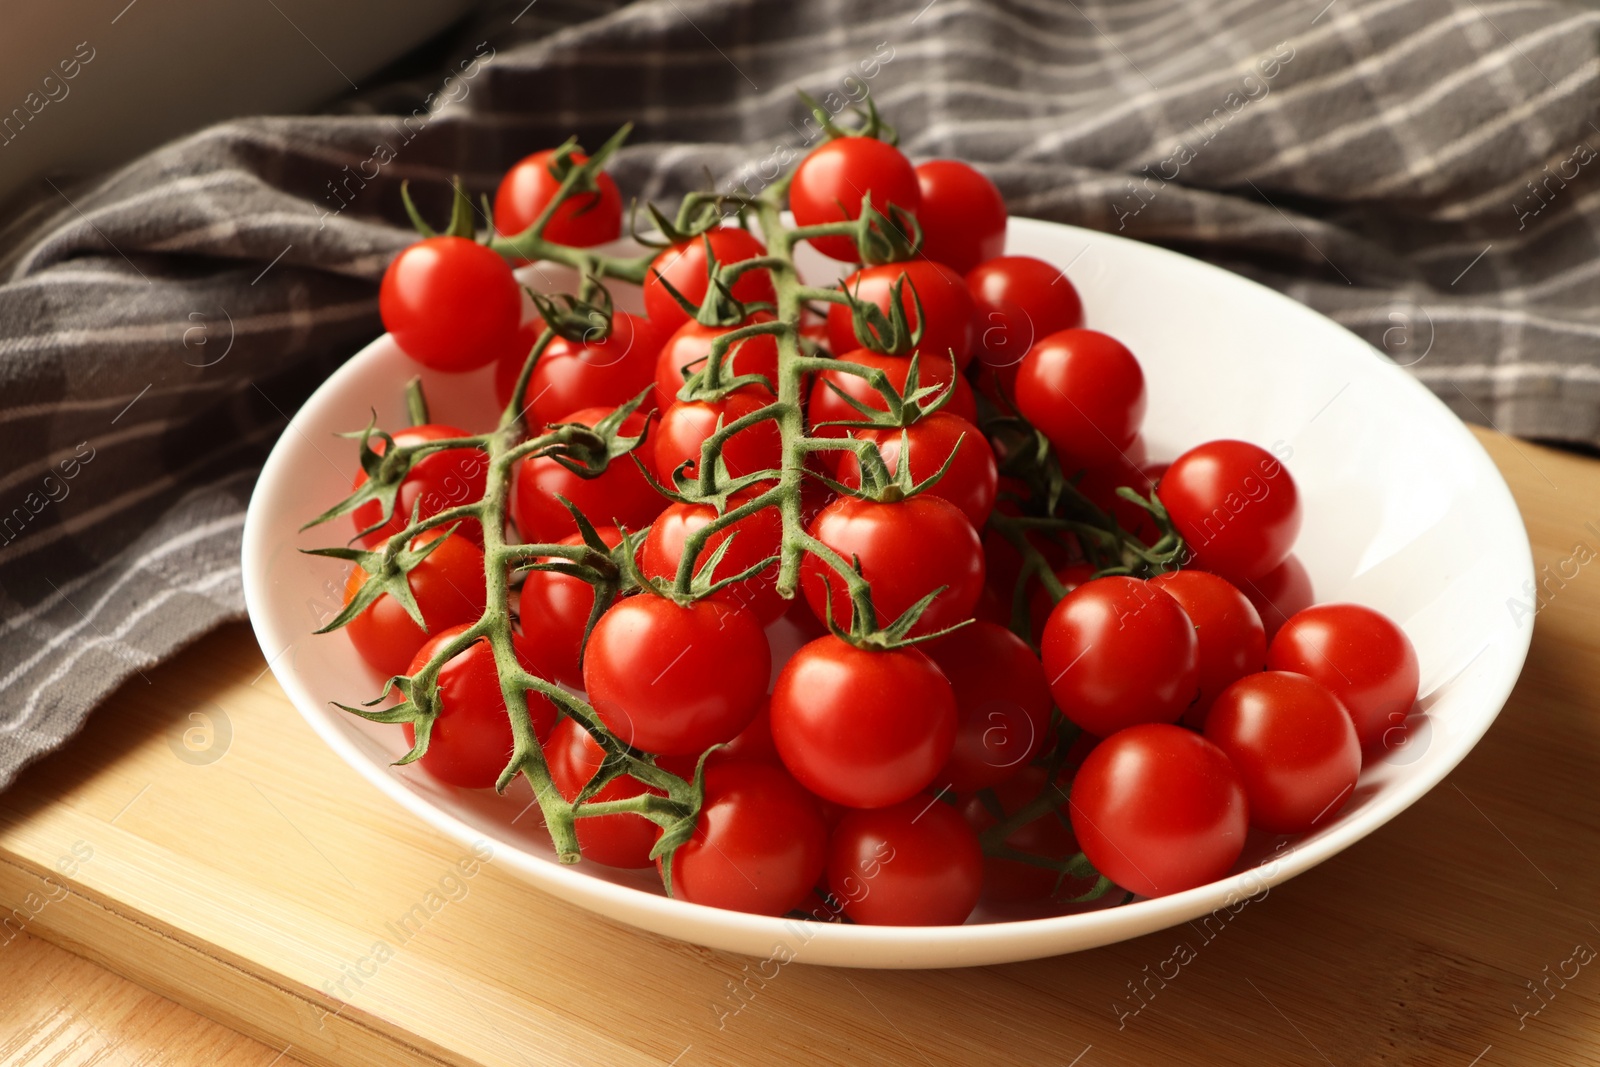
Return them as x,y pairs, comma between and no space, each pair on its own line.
1422,171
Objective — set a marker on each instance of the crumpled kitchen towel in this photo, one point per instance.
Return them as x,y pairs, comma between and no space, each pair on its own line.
1422,171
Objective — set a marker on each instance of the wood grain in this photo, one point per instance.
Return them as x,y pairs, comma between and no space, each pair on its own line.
62,1010
249,887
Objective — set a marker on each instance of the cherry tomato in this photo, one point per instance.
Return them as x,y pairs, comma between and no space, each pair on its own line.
554,610
827,406
829,185
862,728
613,840
1231,639
1085,392
1002,704
1119,651
1018,300
969,484
572,375
1280,594
686,425
622,496
435,482
1235,505
1293,745
962,214
907,550
1362,657
471,740
450,303
687,350
759,844
676,679
946,303
448,588
1049,837
916,863
755,537
583,221
683,265
1158,809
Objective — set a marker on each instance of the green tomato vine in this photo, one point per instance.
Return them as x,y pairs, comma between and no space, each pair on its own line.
588,451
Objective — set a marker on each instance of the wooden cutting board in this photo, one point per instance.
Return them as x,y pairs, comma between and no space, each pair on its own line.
262,883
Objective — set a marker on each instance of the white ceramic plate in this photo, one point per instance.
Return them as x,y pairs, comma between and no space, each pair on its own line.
1404,512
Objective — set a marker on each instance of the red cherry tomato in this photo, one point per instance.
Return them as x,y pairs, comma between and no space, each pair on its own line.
969,484
1085,392
1293,745
686,425
1280,594
913,864
1235,505
1049,837
1158,809
1002,705
448,588
829,185
1034,299
554,611
962,214
1362,657
676,679
687,350
1018,300
907,550
1231,639
859,728
684,267
755,537
613,840
435,482
450,303
827,406
946,303
1118,651
622,496
583,221
759,844
572,375
471,740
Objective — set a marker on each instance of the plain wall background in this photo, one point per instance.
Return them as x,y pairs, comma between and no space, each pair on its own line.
161,68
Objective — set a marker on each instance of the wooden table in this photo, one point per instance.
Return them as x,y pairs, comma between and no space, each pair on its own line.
247,886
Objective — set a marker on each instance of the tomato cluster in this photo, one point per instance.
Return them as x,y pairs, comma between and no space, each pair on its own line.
1039,664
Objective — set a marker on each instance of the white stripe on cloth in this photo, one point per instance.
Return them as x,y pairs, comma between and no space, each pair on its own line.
199,585
132,568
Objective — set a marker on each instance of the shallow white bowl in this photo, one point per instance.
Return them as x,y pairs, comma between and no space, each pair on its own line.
1404,512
